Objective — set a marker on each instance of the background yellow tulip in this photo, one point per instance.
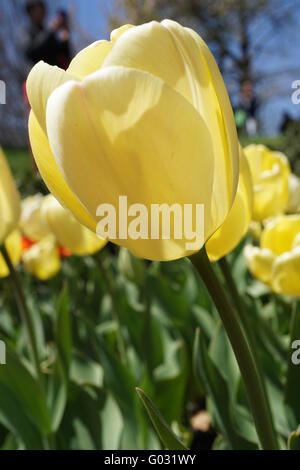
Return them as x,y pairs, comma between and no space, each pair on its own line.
294,197
42,260
235,227
13,245
67,230
270,173
145,115
9,200
277,261
31,222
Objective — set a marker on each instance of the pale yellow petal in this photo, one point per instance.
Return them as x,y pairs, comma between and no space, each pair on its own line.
42,260
125,132
181,59
260,262
31,222
68,231
280,233
270,173
52,176
286,273
235,227
10,206
13,245
294,198
118,32
89,60
41,82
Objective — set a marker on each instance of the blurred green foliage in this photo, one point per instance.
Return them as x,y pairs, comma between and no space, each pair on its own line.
176,352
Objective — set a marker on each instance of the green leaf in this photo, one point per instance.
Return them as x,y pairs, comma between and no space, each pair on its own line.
84,371
63,331
217,389
291,396
294,441
57,397
166,435
112,424
14,418
26,390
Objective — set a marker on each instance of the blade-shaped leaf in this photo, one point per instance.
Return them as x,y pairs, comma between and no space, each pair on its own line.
166,435
26,390
63,331
294,441
216,388
293,375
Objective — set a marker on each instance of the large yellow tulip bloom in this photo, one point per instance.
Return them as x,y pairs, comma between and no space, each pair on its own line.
67,230
42,260
9,200
145,115
277,261
235,227
31,222
270,173
13,245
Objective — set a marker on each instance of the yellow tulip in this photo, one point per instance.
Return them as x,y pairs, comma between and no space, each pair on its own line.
255,230
235,227
9,200
31,222
42,260
277,261
294,199
67,230
145,115
13,245
270,173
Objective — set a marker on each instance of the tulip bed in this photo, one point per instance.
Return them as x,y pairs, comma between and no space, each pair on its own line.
176,351
147,342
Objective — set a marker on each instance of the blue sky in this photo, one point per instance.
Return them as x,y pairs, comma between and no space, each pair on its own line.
93,17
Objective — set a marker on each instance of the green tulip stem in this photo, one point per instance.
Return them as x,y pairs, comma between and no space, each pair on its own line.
147,332
235,295
243,316
23,309
242,349
115,307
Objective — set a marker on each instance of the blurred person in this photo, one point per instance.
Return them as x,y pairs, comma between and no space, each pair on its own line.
246,113
63,37
50,44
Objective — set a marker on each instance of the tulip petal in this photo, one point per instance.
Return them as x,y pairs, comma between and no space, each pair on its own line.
52,176
181,59
280,233
42,260
118,32
260,262
68,231
270,173
223,112
41,82
89,60
10,206
31,222
286,273
13,245
235,227
125,132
